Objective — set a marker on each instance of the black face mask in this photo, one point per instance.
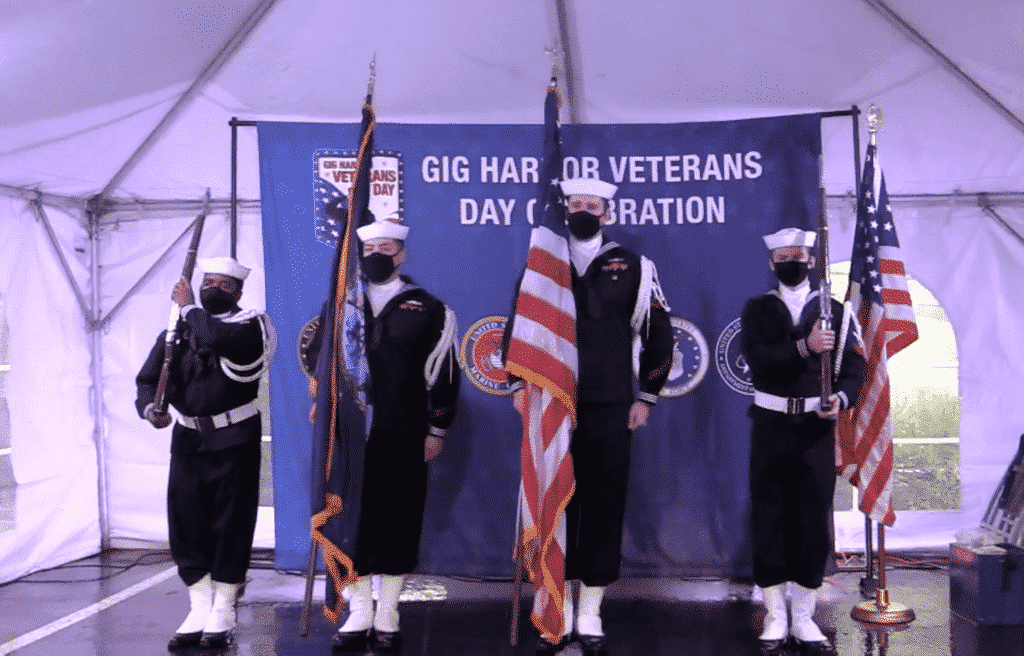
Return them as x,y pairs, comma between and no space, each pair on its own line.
216,300
584,225
378,267
791,274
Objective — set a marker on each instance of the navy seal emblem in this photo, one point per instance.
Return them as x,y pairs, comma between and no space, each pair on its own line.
732,366
691,358
481,358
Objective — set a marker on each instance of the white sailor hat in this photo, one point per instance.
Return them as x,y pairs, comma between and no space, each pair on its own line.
227,266
790,237
589,187
389,228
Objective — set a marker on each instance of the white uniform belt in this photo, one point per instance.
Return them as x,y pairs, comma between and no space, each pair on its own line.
224,419
787,405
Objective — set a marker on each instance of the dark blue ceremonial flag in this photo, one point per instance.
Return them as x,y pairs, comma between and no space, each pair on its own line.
342,378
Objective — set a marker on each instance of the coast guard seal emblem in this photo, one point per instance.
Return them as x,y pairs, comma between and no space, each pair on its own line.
690,358
732,366
480,355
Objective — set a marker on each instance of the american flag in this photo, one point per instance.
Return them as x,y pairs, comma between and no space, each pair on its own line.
542,351
880,300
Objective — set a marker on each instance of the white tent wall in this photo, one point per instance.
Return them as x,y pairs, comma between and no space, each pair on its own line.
972,265
53,455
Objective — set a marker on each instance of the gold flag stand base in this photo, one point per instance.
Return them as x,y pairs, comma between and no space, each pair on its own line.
881,610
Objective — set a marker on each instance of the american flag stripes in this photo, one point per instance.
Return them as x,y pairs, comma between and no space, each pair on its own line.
542,351
881,302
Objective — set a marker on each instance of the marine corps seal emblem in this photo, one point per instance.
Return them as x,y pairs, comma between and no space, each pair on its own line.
481,356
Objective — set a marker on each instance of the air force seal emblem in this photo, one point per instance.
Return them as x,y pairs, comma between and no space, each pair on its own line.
732,366
690,358
481,358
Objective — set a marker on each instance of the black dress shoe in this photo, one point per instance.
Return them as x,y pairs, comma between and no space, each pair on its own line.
545,648
350,641
594,645
386,643
822,648
774,647
215,640
184,640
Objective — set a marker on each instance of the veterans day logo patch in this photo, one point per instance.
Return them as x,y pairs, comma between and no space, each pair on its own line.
690,358
334,174
480,355
732,366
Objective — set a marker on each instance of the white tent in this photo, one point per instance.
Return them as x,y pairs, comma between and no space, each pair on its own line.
115,119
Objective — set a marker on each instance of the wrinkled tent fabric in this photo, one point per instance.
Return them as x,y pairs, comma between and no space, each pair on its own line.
80,97
47,391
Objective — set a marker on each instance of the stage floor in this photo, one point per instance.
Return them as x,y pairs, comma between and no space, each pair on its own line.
128,603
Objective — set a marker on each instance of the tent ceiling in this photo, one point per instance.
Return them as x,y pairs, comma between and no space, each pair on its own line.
70,68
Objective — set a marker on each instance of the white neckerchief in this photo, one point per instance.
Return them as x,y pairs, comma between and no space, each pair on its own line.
795,298
379,295
583,252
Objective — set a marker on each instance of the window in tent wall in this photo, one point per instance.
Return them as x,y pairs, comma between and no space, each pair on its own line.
925,402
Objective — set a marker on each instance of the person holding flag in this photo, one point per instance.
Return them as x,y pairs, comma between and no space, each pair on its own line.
792,443
386,389
410,349
569,358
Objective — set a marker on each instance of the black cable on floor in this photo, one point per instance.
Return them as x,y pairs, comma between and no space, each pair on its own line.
146,558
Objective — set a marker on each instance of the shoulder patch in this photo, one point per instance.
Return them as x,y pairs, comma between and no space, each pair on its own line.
615,264
412,304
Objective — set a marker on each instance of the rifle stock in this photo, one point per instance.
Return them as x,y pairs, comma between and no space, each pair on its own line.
160,398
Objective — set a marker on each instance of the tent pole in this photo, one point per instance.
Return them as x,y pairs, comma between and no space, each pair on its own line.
986,207
37,209
900,23
222,57
105,321
93,326
573,82
96,370
234,187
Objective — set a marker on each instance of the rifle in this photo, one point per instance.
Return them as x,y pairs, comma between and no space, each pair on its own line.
158,415
824,297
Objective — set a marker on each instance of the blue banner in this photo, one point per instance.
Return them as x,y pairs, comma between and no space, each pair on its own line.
693,197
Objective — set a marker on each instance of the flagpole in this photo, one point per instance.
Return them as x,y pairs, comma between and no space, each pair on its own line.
520,555
314,547
881,610
868,584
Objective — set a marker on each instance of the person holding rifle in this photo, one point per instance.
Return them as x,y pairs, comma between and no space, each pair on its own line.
792,450
217,359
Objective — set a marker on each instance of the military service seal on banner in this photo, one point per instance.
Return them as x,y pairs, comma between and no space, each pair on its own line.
690,358
481,357
732,366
